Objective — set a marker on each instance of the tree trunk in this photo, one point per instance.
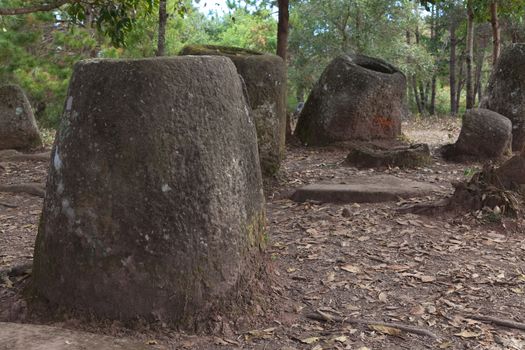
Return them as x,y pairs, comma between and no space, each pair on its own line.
299,93
413,83
432,106
496,41
358,26
422,97
480,57
460,85
470,54
416,95
341,27
282,51
427,95
163,18
452,68
282,30
48,6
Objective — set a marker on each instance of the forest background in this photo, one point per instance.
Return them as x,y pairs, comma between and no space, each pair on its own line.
445,48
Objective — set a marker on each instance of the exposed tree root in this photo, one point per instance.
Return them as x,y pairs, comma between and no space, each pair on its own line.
20,271
498,321
17,270
15,156
8,205
325,317
490,188
35,189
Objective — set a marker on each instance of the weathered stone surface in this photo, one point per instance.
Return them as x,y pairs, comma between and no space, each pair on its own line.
265,79
365,189
409,156
15,336
154,205
18,129
356,98
484,135
506,91
511,174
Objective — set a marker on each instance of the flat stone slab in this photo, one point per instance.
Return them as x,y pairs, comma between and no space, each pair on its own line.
16,336
369,189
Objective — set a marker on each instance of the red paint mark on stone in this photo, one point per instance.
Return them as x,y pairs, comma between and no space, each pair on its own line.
383,122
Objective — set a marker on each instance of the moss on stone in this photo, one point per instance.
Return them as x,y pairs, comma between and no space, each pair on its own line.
216,50
256,230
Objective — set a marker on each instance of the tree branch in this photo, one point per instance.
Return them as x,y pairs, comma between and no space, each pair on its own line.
46,6
498,321
324,317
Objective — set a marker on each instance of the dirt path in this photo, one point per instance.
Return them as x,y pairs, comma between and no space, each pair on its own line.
370,264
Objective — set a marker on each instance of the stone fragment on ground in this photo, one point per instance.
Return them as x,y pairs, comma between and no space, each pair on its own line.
356,98
12,155
506,91
365,189
18,129
484,135
370,156
264,76
16,336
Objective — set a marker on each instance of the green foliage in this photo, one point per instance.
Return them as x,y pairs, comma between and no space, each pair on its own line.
376,28
37,53
112,18
252,32
469,172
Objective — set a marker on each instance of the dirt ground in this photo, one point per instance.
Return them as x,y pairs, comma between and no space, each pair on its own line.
370,266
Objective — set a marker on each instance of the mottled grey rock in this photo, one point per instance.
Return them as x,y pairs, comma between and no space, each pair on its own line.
364,189
18,129
154,205
484,135
15,336
407,156
506,91
265,79
356,98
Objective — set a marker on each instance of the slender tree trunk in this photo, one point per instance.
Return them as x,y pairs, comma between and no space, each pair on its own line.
480,57
427,94
432,106
344,34
413,82
452,68
163,18
460,84
421,89
416,95
496,40
422,97
470,54
299,93
418,88
358,26
282,50
514,37
282,30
